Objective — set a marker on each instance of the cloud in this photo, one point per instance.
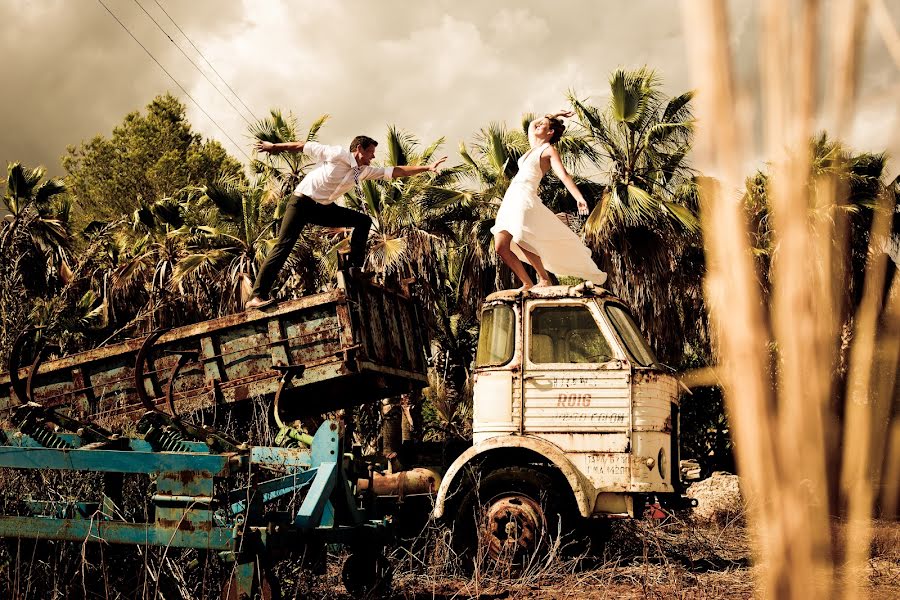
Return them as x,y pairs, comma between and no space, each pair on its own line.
438,68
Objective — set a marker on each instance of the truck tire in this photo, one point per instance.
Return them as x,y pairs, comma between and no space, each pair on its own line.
367,574
509,518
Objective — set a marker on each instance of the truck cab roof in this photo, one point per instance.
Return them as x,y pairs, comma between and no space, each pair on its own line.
582,290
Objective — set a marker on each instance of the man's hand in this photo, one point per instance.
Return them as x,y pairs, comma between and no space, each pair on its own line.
267,147
435,167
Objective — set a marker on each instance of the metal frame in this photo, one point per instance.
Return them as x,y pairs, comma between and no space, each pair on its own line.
187,512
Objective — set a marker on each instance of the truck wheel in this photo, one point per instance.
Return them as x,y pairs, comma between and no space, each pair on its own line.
508,518
367,574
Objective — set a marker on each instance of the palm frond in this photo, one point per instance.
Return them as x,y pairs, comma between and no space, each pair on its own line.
20,181
314,128
45,192
226,194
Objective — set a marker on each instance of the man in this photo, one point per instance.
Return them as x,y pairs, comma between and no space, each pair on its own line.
313,201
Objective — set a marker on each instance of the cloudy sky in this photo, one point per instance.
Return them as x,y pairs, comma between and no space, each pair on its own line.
435,68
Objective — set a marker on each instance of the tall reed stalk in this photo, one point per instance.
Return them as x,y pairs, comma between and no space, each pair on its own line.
780,354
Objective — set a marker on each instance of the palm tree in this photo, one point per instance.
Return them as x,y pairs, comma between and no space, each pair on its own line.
644,225
35,233
143,256
861,182
454,334
413,218
227,237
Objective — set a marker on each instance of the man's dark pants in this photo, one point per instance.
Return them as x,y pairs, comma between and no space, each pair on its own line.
300,211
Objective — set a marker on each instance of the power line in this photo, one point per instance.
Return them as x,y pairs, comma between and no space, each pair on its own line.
155,22
205,59
181,87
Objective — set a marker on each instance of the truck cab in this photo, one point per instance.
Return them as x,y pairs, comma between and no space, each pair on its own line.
571,408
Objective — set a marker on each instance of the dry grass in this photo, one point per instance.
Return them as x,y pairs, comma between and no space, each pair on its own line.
784,435
672,558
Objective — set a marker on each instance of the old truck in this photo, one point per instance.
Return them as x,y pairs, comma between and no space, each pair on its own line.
574,420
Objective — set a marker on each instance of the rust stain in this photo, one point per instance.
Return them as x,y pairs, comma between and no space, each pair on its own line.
320,327
186,477
241,392
185,525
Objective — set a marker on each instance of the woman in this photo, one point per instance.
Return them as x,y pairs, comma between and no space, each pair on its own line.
527,230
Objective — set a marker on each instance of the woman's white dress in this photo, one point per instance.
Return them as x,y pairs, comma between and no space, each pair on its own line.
535,228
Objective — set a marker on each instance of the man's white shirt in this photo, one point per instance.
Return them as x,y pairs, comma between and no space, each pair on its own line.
333,176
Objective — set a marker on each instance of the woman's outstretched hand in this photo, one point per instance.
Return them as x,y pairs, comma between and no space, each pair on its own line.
562,113
582,207
435,167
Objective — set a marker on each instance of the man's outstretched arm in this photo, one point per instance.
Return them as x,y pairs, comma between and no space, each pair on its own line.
280,147
408,171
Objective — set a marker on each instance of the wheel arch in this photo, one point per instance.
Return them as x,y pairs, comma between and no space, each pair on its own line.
509,451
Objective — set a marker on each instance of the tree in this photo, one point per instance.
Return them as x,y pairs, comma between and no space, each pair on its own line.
34,246
148,157
35,233
860,182
644,225
225,241
413,218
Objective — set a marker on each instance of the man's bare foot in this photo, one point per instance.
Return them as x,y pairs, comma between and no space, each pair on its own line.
257,302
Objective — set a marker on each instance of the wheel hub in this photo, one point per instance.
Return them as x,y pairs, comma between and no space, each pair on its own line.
513,527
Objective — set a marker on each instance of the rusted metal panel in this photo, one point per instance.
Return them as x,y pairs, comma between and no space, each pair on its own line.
653,395
356,332
651,462
80,530
607,471
570,400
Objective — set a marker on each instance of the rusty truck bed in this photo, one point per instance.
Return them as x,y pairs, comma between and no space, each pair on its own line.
357,343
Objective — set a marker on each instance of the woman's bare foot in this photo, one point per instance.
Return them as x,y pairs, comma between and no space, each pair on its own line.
524,288
542,282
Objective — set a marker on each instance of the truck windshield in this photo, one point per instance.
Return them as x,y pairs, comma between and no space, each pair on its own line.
628,331
497,336
566,334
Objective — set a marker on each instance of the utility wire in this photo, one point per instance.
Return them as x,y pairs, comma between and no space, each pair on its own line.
205,59
181,87
158,26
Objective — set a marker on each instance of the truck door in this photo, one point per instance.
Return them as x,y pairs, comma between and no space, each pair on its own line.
496,362
576,377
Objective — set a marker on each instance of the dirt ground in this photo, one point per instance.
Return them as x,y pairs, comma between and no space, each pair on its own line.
649,559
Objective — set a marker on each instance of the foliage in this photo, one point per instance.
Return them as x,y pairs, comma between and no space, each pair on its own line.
861,180
644,225
171,231
148,157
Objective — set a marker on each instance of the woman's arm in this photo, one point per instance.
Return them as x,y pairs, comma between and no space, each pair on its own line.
560,170
560,113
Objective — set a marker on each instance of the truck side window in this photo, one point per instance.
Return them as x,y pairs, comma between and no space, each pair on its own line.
628,331
566,334
497,337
